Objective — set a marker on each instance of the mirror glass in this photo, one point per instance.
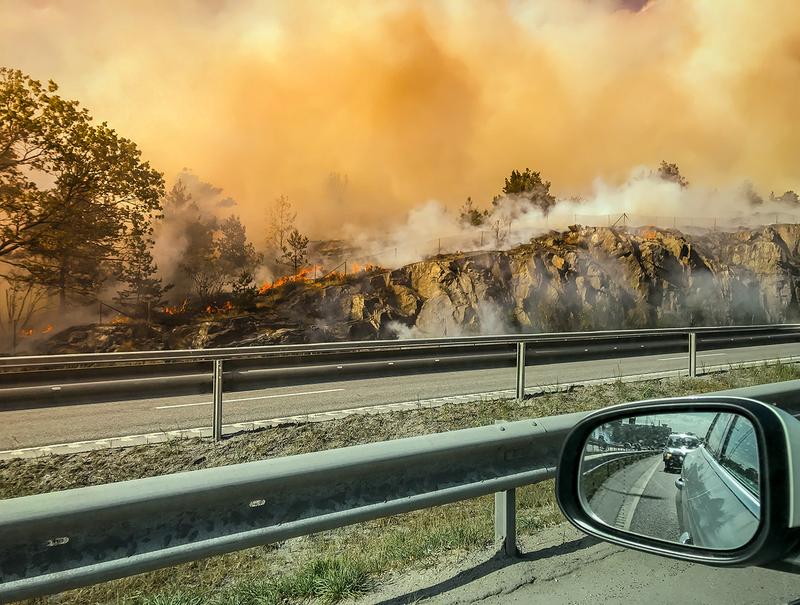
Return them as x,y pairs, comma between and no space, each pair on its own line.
690,478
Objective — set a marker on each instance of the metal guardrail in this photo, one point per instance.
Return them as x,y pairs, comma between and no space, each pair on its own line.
227,353
62,379
61,540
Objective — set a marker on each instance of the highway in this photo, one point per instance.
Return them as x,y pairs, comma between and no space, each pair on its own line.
640,498
68,423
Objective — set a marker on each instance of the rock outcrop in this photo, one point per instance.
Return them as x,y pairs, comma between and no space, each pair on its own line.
581,279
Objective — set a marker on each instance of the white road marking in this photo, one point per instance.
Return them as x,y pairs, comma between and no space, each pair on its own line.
686,356
186,405
636,493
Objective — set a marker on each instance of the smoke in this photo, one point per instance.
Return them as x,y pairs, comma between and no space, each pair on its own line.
359,110
190,208
642,199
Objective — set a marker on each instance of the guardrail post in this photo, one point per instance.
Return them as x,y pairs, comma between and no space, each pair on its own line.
505,521
520,371
216,427
692,354
505,517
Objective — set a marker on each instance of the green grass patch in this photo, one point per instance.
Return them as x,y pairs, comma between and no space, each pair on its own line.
336,565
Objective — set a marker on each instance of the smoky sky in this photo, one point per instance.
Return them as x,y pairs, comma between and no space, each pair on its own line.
361,110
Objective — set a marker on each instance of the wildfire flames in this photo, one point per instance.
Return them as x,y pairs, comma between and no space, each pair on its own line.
177,309
303,275
300,276
120,319
27,332
228,306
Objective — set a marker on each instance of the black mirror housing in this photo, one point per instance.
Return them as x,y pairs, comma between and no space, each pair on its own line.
778,531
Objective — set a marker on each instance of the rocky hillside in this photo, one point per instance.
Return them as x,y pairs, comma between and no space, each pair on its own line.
584,278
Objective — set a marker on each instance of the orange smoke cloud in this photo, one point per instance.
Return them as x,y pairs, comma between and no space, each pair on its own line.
417,100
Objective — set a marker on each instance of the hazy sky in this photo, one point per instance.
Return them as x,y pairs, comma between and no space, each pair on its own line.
425,100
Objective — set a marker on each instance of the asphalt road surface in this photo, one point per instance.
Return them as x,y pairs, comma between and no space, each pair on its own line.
63,424
561,566
640,498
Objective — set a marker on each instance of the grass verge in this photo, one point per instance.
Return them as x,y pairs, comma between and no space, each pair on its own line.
344,563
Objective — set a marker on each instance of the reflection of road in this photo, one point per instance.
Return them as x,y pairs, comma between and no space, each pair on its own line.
656,515
640,498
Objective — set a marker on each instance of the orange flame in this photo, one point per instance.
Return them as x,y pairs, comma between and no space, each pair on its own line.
300,276
211,309
120,319
176,310
366,268
27,332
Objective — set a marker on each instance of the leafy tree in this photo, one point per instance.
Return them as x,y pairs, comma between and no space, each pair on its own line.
22,301
70,190
281,224
140,288
671,172
529,186
470,215
295,251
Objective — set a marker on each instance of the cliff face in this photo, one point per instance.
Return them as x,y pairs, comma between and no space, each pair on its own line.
582,279
595,278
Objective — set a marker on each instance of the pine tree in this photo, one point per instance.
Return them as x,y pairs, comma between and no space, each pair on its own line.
295,251
141,289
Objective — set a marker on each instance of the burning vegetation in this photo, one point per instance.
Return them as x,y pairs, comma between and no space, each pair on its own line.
118,238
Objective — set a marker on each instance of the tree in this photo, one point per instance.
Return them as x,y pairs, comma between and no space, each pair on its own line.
201,260
468,214
236,254
198,271
140,289
528,186
751,195
281,224
70,190
238,259
788,197
23,300
295,251
671,172
500,230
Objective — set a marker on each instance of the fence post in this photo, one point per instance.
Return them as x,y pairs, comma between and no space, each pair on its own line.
520,371
692,354
216,428
505,517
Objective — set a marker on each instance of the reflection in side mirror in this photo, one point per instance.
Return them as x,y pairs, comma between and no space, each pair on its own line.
689,478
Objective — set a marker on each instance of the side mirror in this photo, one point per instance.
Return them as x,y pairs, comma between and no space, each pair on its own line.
716,485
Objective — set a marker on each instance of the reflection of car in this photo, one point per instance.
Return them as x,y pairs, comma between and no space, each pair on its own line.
718,489
678,445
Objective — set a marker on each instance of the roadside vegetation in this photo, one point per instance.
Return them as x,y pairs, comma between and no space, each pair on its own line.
340,564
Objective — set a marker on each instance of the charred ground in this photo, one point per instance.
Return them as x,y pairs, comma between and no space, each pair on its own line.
583,278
